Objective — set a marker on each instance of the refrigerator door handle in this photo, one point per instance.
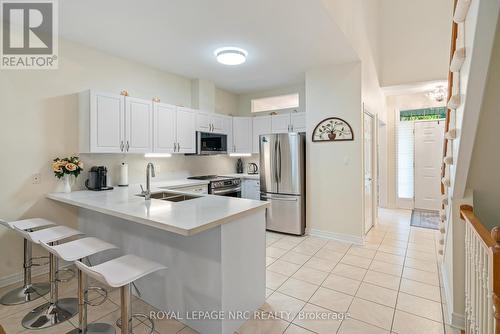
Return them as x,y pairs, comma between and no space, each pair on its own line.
280,198
279,159
275,153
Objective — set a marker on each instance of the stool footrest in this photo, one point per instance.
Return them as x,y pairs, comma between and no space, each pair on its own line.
101,291
70,277
138,316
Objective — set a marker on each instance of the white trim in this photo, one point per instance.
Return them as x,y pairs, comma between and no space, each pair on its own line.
454,319
19,276
336,236
419,87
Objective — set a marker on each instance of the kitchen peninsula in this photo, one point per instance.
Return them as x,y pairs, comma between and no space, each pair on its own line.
213,246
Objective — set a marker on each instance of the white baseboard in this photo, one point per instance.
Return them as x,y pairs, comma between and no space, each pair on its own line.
454,319
336,236
19,277
457,320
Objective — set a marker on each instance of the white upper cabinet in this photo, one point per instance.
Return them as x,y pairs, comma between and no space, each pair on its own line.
186,130
298,121
138,125
209,122
218,123
280,123
165,129
102,122
242,135
261,126
288,122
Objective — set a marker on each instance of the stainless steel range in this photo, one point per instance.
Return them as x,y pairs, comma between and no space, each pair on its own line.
221,185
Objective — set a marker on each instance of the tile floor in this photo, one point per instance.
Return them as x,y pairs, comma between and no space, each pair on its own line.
389,285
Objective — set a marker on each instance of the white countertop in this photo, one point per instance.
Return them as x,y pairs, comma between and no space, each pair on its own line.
184,218
243,176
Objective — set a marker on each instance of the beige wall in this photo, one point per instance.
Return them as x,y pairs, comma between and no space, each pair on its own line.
414,40
484,177
334,169
394,104
359,20
38,121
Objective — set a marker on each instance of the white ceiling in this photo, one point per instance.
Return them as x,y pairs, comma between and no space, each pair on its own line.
284,38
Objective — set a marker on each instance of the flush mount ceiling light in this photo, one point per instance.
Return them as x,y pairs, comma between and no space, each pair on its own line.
231,55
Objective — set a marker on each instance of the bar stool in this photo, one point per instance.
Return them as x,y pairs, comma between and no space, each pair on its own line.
121,273
78,250
29,291
56,310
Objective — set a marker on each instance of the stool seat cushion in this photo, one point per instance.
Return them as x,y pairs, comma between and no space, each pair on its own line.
121,271
48,235
28,224
78,249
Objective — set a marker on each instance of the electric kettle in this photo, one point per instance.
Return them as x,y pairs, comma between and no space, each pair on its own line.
252,168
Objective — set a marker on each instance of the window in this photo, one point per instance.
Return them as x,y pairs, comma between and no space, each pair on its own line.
275,103
422,114
406,144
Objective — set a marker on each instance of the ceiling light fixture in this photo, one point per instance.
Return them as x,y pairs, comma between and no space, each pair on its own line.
438,93
231,55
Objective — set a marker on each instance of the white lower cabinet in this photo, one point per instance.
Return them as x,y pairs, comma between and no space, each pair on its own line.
242,135
250,189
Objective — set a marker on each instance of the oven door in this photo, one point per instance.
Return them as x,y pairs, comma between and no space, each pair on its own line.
211,143
229,191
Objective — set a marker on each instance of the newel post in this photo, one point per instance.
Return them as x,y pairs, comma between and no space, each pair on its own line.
495,234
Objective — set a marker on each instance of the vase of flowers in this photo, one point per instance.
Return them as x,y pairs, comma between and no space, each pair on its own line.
65,168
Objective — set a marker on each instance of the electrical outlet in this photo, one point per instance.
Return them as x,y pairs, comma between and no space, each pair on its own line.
37,178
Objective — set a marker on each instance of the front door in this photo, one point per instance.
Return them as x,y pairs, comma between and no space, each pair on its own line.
368,170
429,136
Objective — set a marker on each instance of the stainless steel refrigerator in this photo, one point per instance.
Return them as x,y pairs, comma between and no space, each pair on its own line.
282,181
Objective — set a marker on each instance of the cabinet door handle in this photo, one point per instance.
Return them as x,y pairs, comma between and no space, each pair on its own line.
128,145
178,147
121,145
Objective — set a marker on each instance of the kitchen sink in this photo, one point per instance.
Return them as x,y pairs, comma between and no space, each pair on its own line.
172,197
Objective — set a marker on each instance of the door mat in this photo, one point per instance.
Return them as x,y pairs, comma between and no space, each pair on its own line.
425,219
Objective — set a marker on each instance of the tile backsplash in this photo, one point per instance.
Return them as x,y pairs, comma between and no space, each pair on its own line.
175,167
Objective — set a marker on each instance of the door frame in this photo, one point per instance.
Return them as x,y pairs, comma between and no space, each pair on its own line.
374,144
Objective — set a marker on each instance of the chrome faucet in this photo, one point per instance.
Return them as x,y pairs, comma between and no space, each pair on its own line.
150,172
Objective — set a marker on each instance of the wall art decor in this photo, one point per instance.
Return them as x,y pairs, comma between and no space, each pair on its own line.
332,129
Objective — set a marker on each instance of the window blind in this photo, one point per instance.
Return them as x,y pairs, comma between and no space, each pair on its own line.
405,148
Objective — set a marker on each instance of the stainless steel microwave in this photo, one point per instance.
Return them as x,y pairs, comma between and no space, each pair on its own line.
208,143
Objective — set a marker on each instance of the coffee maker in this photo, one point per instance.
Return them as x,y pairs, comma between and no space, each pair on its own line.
97,179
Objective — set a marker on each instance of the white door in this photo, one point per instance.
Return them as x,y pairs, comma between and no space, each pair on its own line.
186,130
228,130
165,136
429,136
242,135
107,119
280,123
298,122
138,125
260,126
368,170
